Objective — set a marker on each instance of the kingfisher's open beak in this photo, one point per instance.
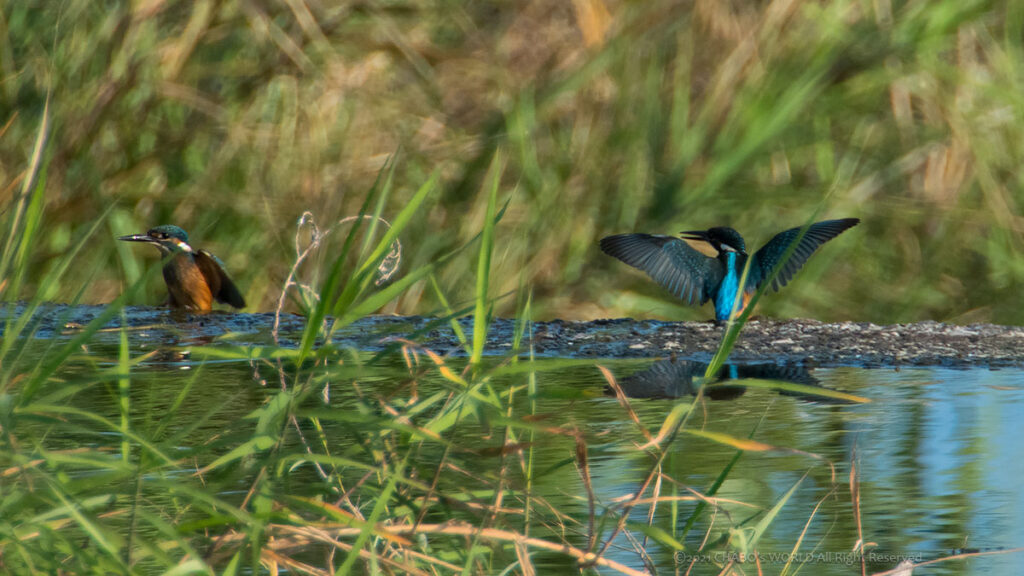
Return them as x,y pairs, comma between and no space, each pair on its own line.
138,238
699,235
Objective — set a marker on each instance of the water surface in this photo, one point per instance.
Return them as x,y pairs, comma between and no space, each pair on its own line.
938,455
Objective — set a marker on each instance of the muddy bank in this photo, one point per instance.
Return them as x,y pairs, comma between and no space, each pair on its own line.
780,341
799,341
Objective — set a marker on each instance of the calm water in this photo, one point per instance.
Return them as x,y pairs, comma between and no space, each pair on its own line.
939,454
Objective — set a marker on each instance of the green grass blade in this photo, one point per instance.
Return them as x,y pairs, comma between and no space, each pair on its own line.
766,521
379,506
334,278
124,388
483,270
29,206
801,389
454,323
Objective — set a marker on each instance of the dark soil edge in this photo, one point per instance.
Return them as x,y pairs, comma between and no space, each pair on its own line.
806,342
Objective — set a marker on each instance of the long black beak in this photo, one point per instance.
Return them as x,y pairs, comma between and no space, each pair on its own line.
700,235
138,238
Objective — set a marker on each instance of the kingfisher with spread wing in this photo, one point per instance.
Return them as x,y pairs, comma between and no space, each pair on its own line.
696,278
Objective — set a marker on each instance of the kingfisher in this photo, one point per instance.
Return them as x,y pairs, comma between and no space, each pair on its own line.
194,278
696,278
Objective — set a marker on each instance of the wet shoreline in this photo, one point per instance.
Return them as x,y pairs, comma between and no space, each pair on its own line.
806,342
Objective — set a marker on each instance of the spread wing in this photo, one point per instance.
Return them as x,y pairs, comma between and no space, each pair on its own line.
794,374
665,379
771,253
685,272
221,286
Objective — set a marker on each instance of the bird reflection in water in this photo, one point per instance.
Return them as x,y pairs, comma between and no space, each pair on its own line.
675,378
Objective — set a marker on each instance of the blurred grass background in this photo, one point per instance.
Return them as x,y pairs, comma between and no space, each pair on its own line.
231,118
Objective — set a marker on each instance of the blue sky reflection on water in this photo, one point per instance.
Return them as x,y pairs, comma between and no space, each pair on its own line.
969,452
941,458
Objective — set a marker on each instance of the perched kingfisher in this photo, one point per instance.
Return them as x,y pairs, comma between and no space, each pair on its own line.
696,278
194,278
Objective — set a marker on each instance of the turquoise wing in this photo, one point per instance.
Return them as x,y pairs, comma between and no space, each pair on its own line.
769,256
